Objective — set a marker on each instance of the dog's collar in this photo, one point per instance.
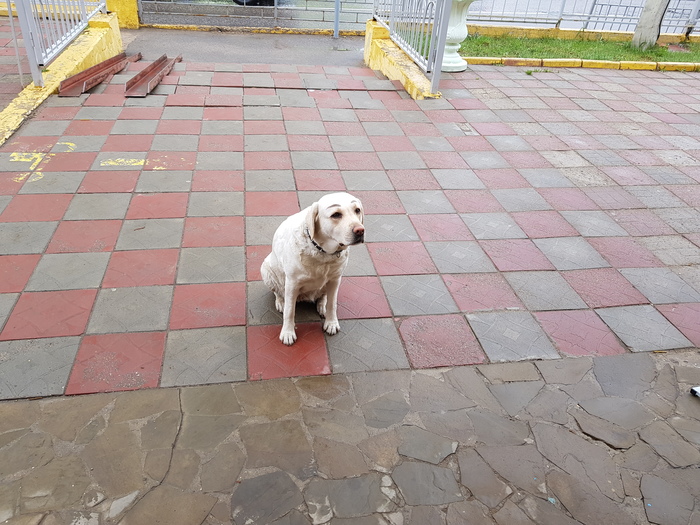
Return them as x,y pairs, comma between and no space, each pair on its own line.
318,246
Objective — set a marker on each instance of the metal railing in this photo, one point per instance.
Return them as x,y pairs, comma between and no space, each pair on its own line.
419,27
49,26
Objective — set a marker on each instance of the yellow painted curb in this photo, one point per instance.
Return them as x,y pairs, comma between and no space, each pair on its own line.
483,61
100,41
678,66
531,62
265,30
633,64
600,64
561,62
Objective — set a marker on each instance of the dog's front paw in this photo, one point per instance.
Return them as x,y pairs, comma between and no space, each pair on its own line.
321,306
331,327
288,337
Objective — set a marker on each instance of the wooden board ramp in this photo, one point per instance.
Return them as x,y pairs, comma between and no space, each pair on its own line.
89,78
147,79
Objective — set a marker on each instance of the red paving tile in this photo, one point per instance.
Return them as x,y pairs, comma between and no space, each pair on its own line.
141,114
400,258
141,268
392,143
173,160
412,180
208,305
473,201
624,252
221,143
481,291
502,179
30,144
49,314
201,232
309,143
89,127
440,340
579,333
602,287
117,362
263,127
227,113
358,160
690,194
628,175
319,180
179,127
641,223
613,198
267,160
85,236
11,182
254,256
157,206
362,298
543,224
685,318
15,271
268,358
567,199
109,182
349,129
259,203
301,114
50,207
217,181
526,160
511,255
73,161
470,144
441,227
128,143
380,202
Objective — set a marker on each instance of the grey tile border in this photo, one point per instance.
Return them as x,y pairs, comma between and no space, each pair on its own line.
388,228
401,160
68,271
147,234
90,206
211,265
544,291
511,336
643,328
570,253
260,230
164,181
493,226
222,127
425,201
36,367
25,237
546,178
366,180
215,203
313,160
219,160
265,143
456,179
137,309
205,356
661,285
521,199
366,344
459,257
594,224
418,295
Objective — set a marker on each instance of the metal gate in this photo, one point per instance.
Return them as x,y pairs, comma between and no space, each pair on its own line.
352,15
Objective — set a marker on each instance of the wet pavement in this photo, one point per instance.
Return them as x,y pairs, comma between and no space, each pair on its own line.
518,335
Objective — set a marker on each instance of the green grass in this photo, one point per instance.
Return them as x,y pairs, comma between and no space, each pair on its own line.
483,46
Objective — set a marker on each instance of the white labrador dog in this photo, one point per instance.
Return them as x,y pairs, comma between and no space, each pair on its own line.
309,254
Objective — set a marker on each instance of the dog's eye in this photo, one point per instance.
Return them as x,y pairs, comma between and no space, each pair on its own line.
358,210
337,215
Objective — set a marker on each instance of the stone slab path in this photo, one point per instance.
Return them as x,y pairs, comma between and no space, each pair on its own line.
518,335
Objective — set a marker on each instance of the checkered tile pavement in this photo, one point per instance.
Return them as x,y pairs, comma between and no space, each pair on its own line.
518,217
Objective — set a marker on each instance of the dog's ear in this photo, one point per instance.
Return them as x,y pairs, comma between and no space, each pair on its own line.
311,218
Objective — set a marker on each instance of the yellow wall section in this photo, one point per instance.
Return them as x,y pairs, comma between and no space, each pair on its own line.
127,11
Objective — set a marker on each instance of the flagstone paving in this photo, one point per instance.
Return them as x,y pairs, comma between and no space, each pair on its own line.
518,334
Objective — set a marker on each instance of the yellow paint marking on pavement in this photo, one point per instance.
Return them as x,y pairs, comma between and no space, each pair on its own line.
33,158
36,176
123,162
69,146
20,177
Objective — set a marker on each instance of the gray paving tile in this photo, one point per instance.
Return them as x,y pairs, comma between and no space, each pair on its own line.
683,220
258,80
661,285
12,162
304,127
418,295
68,271
313,160
219,160
351,143
148,234
196,78
4,201
387,228
385,129
270,180
97,112
643,328
546,178
493,226
164,181
119,160
53,182
262,113
211,265
215,203
509,143
262,311
655,196
7,302
366,180
401,160
36,367
260,230
459,257
594,224
431,144
426,201
511,336
673,250
222,127
366,344
570,253
455,179
44,128
25,237
338,115
184,112
667,175
266,143
401,115
98,206
480,160
521,199
134,127
138,309
204,356
82,143
359,262
544,291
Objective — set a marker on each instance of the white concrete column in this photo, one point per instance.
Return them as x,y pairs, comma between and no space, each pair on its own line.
456,33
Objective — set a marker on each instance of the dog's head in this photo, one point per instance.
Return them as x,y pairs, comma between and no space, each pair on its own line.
338,217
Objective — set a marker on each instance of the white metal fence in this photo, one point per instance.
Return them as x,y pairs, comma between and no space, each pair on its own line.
49,26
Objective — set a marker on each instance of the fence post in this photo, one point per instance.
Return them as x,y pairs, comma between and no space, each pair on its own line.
32,41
